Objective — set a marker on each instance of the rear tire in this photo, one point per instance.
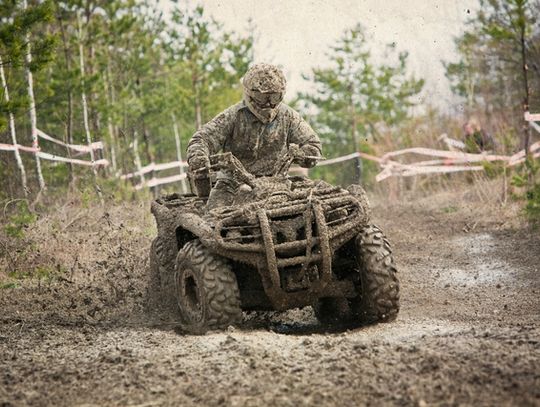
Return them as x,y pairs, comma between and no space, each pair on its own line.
206,290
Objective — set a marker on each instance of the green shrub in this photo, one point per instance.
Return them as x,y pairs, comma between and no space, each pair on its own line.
528,178
493,169
8,284
21,218
532,208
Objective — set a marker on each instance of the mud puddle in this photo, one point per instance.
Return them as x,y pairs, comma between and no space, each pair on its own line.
478,263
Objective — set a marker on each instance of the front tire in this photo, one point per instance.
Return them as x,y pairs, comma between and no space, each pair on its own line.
154,278
206,290
376,282
379,286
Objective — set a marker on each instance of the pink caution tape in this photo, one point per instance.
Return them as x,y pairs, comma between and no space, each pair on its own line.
154,167
98,145
11,147
46,156
532,117
160,181
52,157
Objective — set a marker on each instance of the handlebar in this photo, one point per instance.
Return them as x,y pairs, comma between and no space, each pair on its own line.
227,161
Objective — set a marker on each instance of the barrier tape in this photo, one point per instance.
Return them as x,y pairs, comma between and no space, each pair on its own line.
519,157
98,145
51,157
452,143
412,171
160,181
13,147
338,159
535,117
154,167
445,154
448,163
532,118
392,168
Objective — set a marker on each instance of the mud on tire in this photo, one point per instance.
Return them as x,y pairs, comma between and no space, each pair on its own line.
154,278
206,290
377,284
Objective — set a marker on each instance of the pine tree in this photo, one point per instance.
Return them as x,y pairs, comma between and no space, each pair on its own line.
25,54
499,69
354,94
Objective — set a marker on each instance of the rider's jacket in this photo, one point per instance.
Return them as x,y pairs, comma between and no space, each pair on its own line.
257,145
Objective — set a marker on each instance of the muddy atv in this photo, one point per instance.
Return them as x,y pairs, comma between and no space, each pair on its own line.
286,242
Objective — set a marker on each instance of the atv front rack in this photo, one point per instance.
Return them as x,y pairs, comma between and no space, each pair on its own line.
292,243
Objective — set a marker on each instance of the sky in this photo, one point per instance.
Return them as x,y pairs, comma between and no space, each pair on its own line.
297,34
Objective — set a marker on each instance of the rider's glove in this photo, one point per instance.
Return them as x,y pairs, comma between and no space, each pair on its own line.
308,163
198,162
300,154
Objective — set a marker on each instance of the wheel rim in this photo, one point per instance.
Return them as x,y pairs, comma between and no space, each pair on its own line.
189,298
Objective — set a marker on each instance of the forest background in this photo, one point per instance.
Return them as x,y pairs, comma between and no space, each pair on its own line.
142,82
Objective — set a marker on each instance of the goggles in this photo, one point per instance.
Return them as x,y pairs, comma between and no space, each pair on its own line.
266,99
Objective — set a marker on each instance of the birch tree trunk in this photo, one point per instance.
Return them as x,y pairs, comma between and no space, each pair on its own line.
69,122
178,152
32,110
138,163
18,158
196,95
354,137
85,110
525,77
110,127
149,155
198,119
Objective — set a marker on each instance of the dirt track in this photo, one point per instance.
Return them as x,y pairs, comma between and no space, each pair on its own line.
468,332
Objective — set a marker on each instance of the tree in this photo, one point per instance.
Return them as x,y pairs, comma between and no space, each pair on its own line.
500,61
13,131
124,75
23,50
213,61
354,94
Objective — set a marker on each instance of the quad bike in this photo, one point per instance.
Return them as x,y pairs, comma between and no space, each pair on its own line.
285,242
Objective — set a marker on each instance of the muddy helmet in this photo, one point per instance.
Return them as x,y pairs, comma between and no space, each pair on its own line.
264,88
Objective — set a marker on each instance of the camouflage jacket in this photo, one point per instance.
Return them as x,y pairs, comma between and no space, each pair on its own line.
256,145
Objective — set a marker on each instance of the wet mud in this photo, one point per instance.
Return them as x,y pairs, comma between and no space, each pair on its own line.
467,334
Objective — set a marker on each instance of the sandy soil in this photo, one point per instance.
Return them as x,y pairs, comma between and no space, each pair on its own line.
468,332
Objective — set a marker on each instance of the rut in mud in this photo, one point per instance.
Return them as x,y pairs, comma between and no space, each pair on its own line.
467,333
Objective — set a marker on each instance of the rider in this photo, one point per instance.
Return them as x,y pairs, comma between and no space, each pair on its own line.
258,130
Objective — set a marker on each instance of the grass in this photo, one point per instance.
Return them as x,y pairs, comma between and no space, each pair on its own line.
8,284
19,220
45,274
449,209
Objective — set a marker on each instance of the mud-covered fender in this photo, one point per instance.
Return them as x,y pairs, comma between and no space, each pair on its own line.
360,194
175,228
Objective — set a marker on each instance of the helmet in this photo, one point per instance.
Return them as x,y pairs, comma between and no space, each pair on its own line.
264,88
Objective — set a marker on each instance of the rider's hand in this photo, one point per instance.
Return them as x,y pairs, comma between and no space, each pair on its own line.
198,162
300,153
296,152
308,163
